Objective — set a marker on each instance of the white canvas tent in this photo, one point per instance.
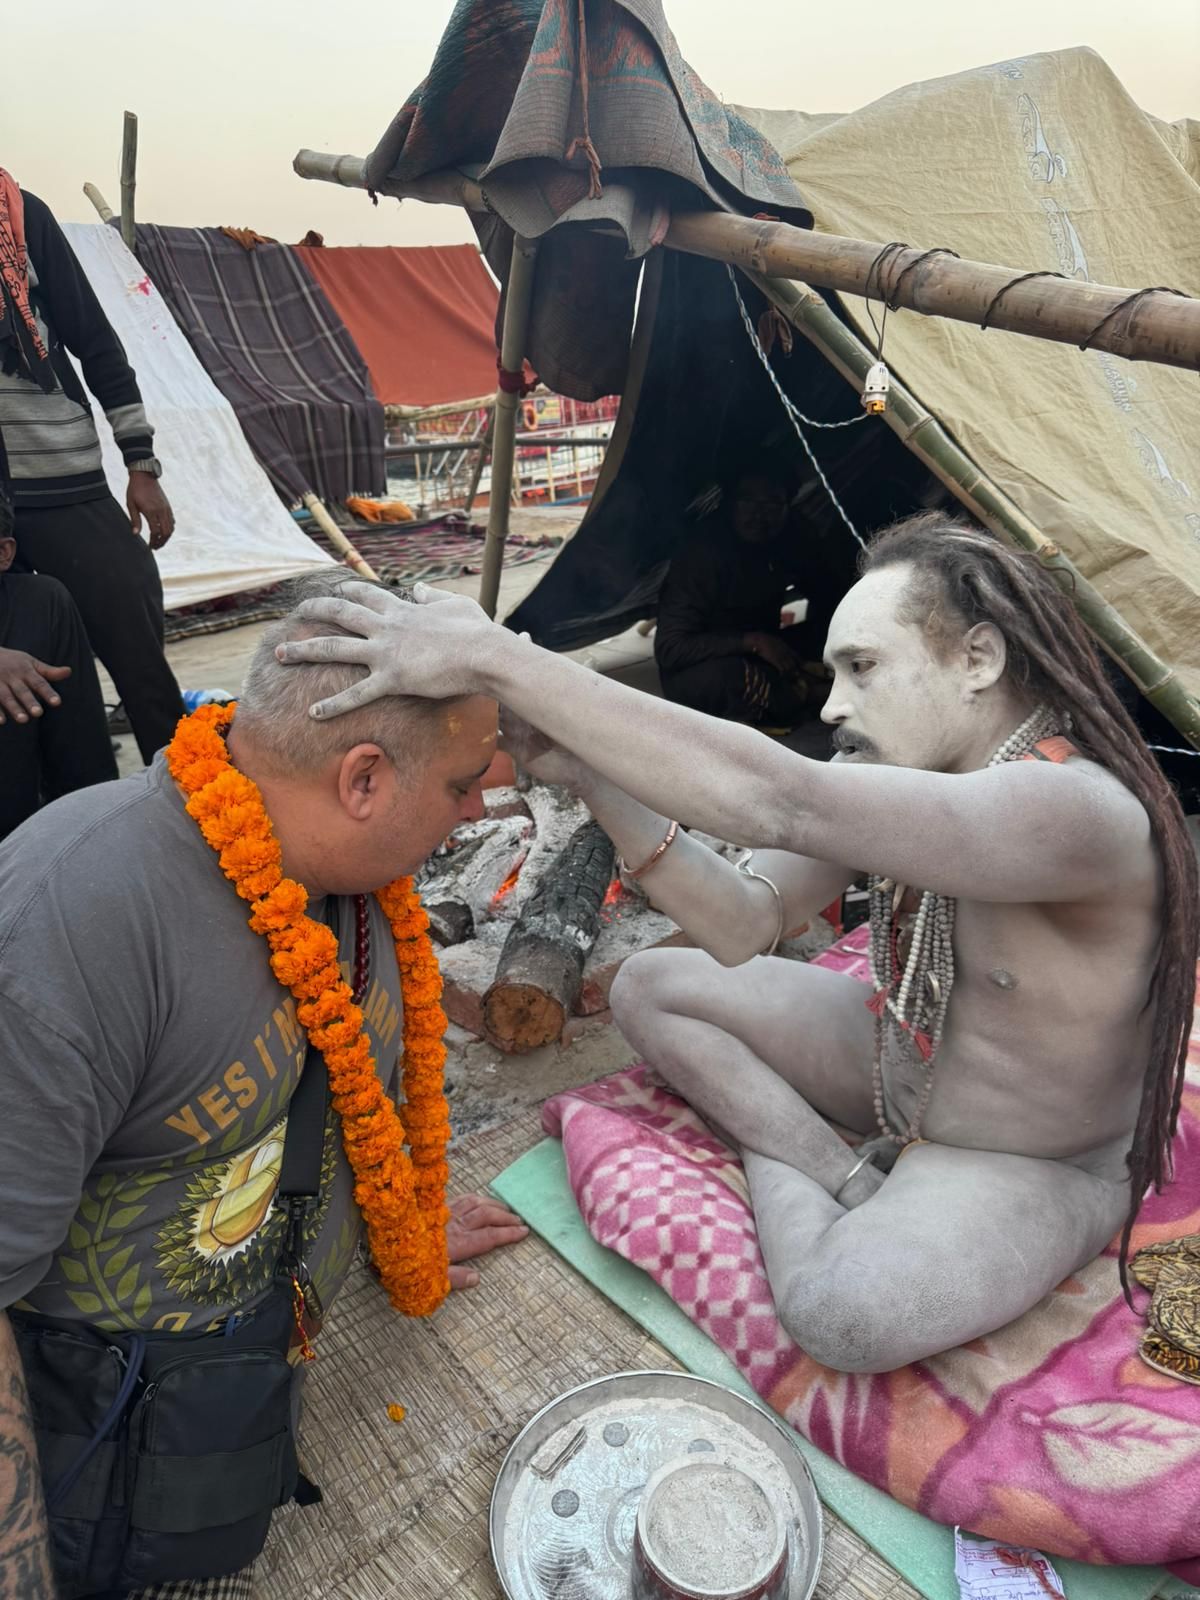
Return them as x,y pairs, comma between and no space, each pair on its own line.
1044,161
232,530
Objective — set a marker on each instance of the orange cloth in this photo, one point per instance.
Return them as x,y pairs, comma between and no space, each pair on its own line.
423,318
380,510
247,238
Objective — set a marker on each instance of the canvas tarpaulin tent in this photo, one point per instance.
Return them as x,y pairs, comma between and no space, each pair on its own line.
422,318
232,531
1043,161
279,353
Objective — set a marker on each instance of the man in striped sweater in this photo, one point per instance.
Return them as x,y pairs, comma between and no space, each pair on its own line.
67,522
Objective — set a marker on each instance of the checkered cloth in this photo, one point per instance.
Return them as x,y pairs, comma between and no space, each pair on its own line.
1050,1433
268,337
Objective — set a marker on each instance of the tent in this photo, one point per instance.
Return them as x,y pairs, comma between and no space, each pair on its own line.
423,318
1043,162
232,531
1029,161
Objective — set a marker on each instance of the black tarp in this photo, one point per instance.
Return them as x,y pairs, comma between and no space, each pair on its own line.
706,412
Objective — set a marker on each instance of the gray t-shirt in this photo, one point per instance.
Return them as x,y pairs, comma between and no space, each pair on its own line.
147,1058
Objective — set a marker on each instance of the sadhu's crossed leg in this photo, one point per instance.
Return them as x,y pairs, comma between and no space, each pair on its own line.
951,1245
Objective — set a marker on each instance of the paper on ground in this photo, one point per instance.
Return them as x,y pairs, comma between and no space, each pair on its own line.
983,1573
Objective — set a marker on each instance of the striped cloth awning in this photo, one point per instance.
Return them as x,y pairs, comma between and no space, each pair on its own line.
268,337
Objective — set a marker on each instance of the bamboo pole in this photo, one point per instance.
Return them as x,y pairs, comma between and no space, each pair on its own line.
448,408
1164,328
482,454
519,298
927,439
448,188
129,144
337,538
102,206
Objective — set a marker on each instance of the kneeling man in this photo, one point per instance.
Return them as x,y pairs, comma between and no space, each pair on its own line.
1011,1084
152,1040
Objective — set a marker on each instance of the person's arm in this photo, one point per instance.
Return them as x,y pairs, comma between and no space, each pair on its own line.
77,318
721,910
25,1572
1025,831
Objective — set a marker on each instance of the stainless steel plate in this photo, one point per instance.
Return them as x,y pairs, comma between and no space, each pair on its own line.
565,1501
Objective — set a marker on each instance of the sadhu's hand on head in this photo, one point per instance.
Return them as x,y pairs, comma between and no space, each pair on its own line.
435,648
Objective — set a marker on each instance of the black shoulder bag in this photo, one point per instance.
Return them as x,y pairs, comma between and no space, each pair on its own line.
163,1455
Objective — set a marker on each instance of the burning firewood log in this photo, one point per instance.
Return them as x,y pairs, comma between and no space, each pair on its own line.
541,965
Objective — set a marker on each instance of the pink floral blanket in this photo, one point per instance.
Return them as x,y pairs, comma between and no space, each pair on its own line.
1051,1433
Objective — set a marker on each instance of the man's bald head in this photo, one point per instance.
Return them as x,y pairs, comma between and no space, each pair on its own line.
273,709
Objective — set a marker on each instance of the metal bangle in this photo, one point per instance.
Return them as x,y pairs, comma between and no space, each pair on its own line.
863,1161
743,867
627,871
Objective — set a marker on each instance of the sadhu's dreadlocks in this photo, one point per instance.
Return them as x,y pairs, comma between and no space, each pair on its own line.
962,577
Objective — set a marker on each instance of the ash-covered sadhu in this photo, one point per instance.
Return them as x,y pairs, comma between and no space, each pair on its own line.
1012,1086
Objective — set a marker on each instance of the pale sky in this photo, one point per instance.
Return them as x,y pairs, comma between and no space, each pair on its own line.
227,92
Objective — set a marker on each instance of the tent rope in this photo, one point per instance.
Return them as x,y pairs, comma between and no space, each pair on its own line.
583,144
794,416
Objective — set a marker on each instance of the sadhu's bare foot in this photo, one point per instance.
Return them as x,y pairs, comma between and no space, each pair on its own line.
478,1225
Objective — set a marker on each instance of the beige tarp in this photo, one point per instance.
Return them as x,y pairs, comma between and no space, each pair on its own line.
1041,162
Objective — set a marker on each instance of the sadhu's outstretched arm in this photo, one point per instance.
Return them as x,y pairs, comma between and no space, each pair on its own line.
1020,832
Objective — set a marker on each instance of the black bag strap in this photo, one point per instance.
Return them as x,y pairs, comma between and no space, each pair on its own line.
304,1141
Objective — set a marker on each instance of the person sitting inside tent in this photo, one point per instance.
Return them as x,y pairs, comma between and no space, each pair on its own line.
153,1065
720,644
1012,1083
53,732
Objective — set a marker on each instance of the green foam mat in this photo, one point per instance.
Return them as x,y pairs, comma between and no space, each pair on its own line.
536,1187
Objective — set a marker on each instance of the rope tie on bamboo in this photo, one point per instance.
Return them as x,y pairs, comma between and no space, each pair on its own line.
1025,277
514,382
1127,305
890,293
583,144
890,296
795,416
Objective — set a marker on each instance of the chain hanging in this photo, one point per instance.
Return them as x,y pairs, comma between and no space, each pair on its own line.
797,418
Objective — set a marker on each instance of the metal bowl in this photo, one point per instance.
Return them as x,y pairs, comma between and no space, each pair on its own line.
564,1509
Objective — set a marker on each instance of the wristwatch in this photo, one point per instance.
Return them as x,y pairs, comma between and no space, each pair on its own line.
150,464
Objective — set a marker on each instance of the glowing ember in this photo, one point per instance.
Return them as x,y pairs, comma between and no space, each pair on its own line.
613,893
507,887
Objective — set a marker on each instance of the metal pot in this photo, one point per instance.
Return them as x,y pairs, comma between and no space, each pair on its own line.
707,1531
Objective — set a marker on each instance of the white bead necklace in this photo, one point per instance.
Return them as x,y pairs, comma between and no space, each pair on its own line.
914,1002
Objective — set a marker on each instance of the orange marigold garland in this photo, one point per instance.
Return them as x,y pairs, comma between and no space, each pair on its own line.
401,1193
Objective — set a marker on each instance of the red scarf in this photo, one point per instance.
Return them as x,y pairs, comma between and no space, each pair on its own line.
22,348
